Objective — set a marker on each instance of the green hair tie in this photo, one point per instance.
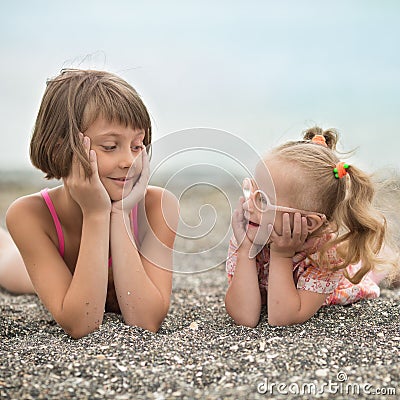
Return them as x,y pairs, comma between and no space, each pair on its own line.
340,170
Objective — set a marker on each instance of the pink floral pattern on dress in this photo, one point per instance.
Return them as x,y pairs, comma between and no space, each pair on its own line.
308,275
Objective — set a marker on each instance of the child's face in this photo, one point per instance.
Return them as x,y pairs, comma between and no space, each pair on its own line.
117,147
257,228
271,177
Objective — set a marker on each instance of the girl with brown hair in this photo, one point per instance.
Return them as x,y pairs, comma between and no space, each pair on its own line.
103,240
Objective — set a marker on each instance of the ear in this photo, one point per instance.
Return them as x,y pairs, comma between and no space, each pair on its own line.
314,222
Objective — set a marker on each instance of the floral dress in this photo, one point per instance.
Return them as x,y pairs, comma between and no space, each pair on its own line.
308,275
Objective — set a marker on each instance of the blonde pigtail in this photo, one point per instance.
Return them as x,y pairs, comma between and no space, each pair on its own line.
363,228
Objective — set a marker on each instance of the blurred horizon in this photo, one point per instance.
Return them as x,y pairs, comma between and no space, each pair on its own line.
261,70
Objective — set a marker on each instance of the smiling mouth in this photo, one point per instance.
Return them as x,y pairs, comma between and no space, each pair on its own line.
253,224
122,179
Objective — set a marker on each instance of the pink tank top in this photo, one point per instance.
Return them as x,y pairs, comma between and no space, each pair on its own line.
60,235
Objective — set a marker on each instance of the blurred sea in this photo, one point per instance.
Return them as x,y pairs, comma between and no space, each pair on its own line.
17,183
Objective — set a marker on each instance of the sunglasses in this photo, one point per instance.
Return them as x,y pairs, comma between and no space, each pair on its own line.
263,203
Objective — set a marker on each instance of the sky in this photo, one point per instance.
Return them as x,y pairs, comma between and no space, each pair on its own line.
262,71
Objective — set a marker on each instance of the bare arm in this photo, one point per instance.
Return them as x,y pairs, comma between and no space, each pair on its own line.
243,298
76,300
143,281
286,304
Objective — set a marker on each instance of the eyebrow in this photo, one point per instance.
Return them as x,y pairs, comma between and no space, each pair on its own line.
115,134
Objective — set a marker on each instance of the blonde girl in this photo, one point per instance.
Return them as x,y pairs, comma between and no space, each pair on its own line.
321,238
101,241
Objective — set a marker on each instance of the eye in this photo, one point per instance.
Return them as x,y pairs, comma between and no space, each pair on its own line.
109,148
263,199
136,148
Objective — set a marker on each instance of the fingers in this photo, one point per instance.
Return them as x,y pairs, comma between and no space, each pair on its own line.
238,216
240,210
247,188
304,229
92,157
86,143
238,228
145,174
286,228
79,170
291,240
240,203
238,223
76,166
91,154
93,163
299,231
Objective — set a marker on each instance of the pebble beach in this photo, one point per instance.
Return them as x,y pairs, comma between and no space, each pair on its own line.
343,352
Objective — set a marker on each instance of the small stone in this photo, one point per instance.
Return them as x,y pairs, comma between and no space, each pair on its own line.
194,326
122,368
380,334
101,357
262,346
322,372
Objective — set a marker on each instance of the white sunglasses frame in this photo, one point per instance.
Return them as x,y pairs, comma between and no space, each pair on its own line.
247,192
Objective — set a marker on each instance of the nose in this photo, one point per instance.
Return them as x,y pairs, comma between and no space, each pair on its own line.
126,159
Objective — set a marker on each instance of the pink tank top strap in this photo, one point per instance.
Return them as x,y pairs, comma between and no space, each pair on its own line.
57,223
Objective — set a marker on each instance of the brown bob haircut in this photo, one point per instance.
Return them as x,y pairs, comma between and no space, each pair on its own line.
71,103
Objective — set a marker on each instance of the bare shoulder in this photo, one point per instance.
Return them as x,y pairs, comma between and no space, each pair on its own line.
28,216
157,197
25,210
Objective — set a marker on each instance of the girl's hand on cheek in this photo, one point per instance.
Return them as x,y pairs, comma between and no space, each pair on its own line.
291,240
139,188
239,224
88,192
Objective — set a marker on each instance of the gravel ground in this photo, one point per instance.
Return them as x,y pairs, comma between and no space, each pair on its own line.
199,352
